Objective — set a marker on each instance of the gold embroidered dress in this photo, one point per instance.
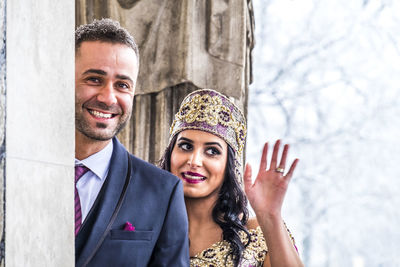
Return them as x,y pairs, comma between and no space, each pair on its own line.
216,254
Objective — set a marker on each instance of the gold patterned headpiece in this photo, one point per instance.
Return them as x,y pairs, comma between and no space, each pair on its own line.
210,111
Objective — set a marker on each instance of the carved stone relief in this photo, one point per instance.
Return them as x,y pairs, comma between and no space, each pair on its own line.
184,45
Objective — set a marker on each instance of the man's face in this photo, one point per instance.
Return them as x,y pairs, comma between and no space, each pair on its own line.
105,79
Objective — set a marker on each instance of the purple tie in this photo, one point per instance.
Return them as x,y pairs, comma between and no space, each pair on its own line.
79,172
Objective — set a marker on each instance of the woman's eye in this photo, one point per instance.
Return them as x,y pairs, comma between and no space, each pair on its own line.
185,146
213,151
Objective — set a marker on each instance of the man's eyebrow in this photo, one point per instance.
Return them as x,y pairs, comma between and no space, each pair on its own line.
96,71
102,72
124,77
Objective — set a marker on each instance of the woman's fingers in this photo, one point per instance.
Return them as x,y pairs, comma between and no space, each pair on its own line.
291,170
274,158
282,164
263,162
247,177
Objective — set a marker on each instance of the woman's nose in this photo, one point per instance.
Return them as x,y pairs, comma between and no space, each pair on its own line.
195,159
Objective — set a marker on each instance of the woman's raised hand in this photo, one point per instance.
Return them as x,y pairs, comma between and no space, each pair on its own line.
268,191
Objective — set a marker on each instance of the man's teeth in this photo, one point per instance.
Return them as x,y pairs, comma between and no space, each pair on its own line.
100,114
194,177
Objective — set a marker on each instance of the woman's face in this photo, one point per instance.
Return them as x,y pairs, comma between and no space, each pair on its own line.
199,159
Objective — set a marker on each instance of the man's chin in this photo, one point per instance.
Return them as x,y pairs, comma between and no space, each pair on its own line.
99,131
99,134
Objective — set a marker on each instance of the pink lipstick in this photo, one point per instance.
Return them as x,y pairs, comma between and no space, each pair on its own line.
193,178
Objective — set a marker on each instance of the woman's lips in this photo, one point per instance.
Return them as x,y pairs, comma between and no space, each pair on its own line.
193,178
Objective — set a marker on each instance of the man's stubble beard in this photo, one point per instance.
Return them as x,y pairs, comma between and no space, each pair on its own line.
83,127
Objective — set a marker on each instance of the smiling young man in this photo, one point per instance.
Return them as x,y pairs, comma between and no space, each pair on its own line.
127,211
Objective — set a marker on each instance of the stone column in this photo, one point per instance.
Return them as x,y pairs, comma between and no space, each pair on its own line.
40,133
2,125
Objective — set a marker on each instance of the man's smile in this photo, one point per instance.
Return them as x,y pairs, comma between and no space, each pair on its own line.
102,115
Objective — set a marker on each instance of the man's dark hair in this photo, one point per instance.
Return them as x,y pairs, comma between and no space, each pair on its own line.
104,30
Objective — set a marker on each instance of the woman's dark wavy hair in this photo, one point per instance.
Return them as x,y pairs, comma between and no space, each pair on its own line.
230,211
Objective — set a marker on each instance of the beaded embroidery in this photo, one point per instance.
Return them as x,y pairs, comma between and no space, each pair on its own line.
216,255
210,111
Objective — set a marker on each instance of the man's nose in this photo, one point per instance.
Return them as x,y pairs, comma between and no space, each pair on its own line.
195,159
107,94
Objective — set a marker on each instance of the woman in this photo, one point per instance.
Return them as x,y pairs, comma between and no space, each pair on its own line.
205,152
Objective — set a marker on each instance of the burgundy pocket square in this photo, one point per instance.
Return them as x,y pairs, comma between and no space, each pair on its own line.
129,227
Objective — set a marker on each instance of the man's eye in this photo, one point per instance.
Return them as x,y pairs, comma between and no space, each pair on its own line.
123,85
93,80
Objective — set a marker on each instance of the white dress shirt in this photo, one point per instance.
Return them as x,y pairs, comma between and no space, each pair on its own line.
90,183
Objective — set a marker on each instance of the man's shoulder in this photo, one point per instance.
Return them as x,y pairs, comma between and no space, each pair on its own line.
145,169
151,170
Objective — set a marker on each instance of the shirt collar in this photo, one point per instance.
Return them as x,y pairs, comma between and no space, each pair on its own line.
99,162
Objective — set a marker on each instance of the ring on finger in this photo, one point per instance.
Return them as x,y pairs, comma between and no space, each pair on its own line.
280,170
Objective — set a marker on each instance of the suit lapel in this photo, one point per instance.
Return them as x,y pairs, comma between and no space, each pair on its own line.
105,203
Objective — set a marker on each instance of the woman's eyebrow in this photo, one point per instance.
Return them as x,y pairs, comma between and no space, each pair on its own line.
185,139
214,143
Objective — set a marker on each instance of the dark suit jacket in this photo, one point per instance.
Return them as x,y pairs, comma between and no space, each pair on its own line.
149,198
